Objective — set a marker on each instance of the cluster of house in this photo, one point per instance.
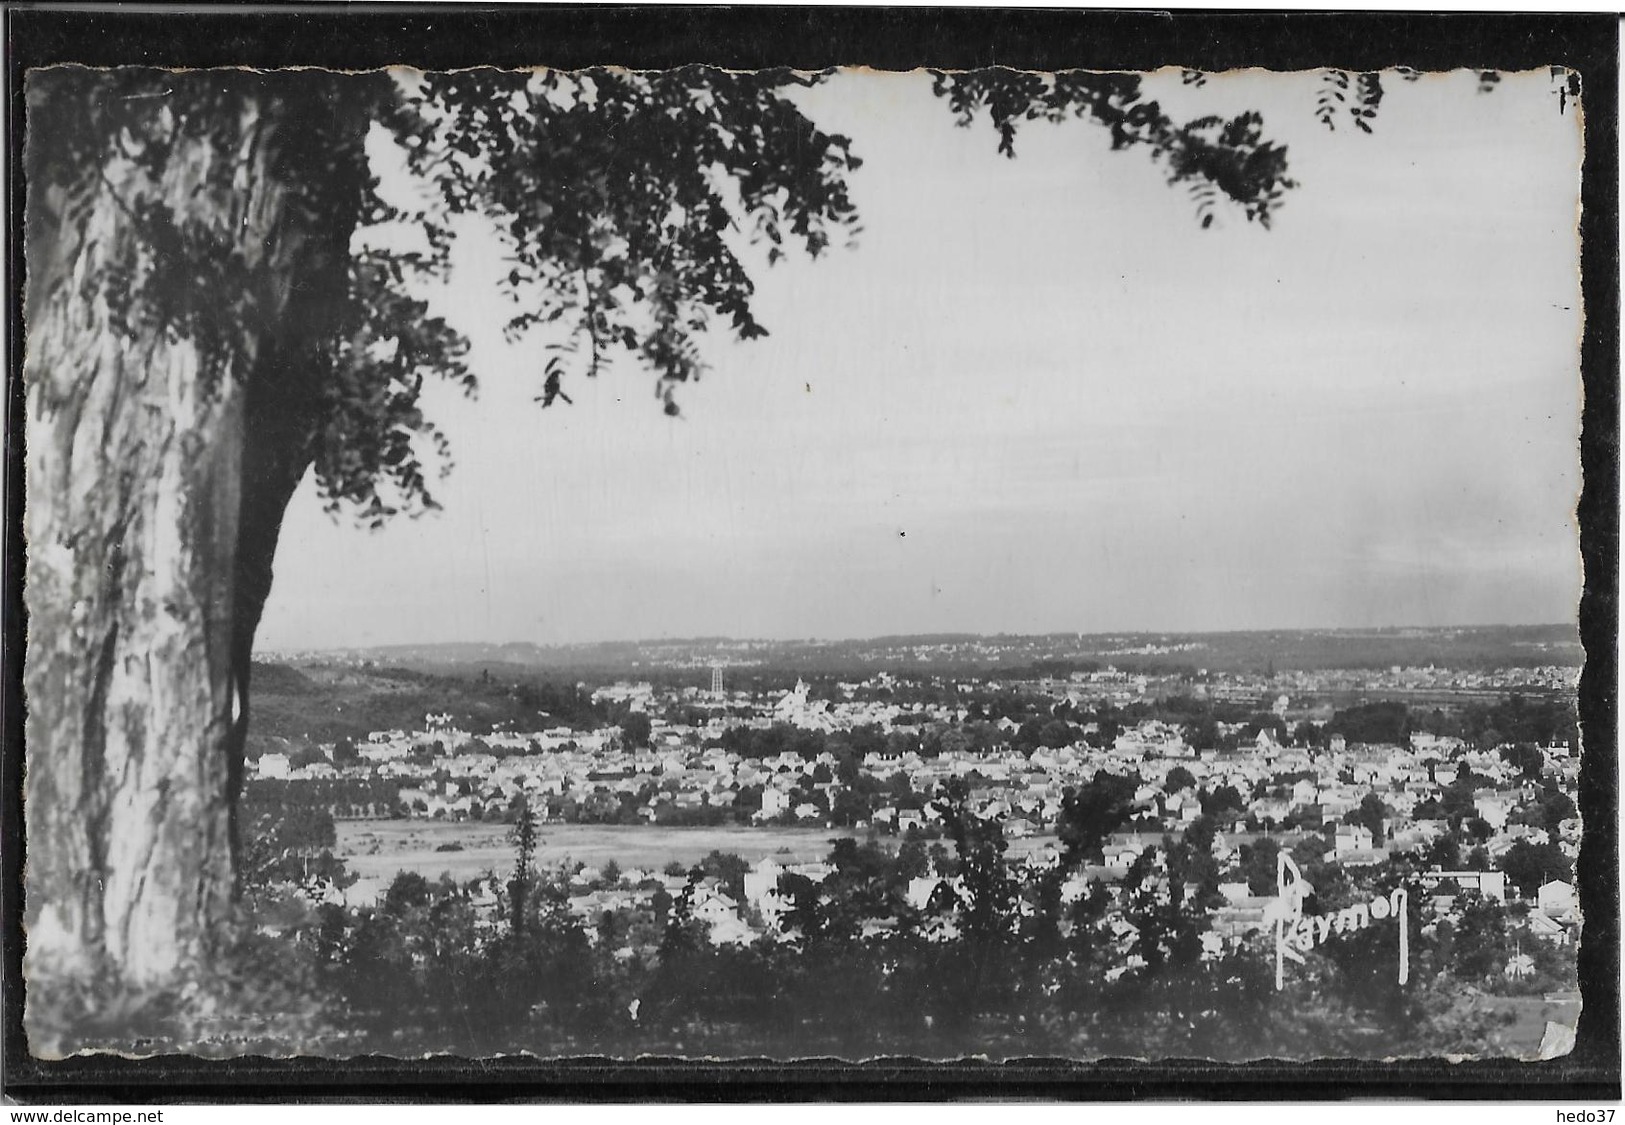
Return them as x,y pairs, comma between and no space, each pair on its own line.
442,772
1401,680
1289,792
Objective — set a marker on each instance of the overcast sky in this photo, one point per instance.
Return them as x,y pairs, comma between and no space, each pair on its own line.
1038,396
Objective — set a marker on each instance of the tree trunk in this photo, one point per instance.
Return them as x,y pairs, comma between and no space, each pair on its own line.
165,254
280,418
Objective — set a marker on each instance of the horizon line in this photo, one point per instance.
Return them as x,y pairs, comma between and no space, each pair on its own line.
945,634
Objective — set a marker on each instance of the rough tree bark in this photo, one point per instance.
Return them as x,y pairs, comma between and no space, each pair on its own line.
173,290
281,416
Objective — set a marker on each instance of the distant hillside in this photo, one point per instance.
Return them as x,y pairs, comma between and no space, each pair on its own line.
1463,648
322,701
279,679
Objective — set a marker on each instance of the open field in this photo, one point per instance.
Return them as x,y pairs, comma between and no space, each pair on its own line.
1529,1015
383,847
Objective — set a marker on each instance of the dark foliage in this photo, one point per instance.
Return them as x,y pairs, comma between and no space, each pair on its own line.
1092,813
1374,723
999,962
1212,155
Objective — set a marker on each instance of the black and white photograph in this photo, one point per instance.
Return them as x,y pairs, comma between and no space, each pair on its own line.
709,563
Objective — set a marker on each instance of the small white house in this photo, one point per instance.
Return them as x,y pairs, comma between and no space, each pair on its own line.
1556,898
761,881
774,802
1353,838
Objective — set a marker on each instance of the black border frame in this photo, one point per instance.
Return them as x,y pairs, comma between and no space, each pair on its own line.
437,36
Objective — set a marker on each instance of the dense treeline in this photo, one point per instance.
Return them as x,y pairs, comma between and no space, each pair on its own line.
998,961
287,832
350,703
338,796
1522,719
1382,723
